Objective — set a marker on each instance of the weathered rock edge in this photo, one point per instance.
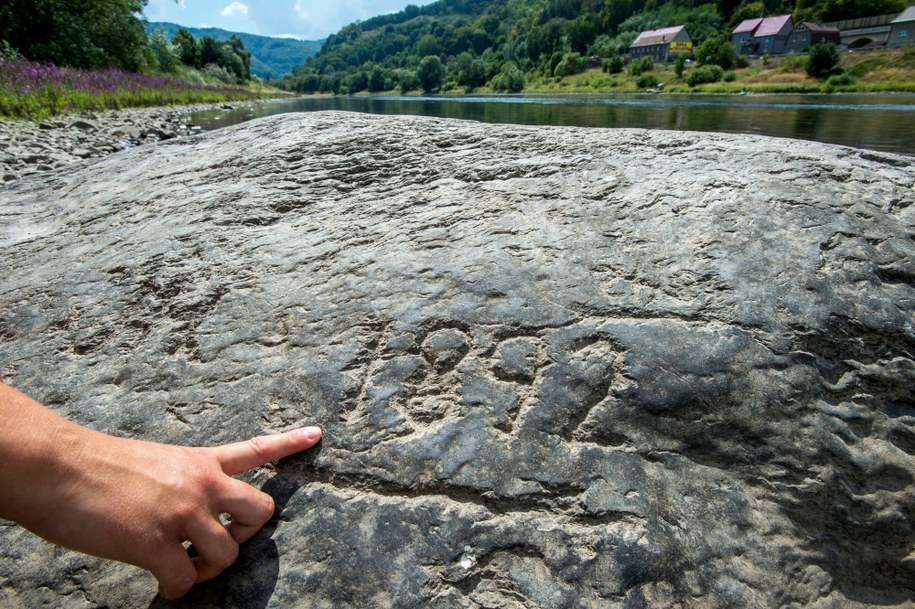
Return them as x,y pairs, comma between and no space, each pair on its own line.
556,367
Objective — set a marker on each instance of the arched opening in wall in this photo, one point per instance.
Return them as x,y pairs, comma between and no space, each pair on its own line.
860,43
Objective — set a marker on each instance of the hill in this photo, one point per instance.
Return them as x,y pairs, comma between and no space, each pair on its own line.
270,57
504,43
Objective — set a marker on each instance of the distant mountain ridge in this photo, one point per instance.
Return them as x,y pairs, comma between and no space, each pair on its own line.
270,57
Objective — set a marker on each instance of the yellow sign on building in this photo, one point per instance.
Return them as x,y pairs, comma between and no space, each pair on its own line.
681,47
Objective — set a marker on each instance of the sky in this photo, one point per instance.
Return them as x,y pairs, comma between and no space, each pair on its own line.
302,19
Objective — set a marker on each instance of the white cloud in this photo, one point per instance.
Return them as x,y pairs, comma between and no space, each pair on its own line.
236,8
301,12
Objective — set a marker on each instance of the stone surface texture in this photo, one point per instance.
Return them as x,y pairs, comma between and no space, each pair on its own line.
555,367
27,147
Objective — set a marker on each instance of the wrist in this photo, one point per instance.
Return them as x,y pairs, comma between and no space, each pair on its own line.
40,455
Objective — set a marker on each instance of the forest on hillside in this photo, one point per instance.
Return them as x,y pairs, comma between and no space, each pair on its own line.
501,43
105,34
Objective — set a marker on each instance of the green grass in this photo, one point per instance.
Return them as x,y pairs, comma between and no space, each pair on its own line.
878,71
34,91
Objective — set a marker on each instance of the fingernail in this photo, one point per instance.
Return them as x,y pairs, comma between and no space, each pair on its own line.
312,434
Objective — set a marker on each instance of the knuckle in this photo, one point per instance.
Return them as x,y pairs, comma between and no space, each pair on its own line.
268,507
260,447
229,556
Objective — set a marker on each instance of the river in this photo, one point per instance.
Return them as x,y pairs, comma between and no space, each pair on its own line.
884,122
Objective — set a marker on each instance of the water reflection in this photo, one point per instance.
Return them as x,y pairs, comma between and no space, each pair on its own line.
877,122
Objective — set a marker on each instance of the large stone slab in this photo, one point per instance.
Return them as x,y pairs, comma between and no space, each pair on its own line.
555,367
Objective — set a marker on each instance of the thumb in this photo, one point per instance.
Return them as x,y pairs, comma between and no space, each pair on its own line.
242,456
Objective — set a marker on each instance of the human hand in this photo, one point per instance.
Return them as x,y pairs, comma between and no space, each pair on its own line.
138,502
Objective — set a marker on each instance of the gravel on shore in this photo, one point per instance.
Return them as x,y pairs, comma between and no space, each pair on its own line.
28,147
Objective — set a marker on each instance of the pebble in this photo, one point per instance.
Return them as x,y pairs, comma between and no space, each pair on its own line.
29,147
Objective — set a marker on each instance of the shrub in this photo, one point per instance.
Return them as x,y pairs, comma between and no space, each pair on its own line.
743,61
640,66
841,80
822,58
572,63
614,65
217,72
510,79
730,76
680,64
705,74
648,80
407,81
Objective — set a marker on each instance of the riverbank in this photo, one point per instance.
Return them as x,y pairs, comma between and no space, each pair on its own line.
875,71
33,147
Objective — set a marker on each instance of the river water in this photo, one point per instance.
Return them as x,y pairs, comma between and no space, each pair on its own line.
876,122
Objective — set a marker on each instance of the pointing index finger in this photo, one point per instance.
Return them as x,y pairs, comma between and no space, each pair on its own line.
242,456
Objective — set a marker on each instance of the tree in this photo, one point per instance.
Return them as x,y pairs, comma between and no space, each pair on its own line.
717,51
79,33
614,65
407,81
580,34
680,64
376,80
640,66
188,47
572,63
164,53
431,73
822,58
726,56
509,78
210,51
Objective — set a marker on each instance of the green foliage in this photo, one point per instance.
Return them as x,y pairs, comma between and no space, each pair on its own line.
680,64
187,46
836,10
545,40
270,57
743,61
705,74
640,66
226,60
718,51
730,76
580,34
78,33
541,39
165,55
614,65
822,58
6,51
648,80
791,63
407,81
841,80
376,80
571,63
431,73
53,90
509,78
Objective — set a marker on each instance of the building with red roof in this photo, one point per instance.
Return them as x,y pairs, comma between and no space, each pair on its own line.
763,35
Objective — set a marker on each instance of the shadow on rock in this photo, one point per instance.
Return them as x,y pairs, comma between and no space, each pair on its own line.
250,582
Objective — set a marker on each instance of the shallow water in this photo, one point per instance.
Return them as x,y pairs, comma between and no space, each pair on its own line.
877,122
